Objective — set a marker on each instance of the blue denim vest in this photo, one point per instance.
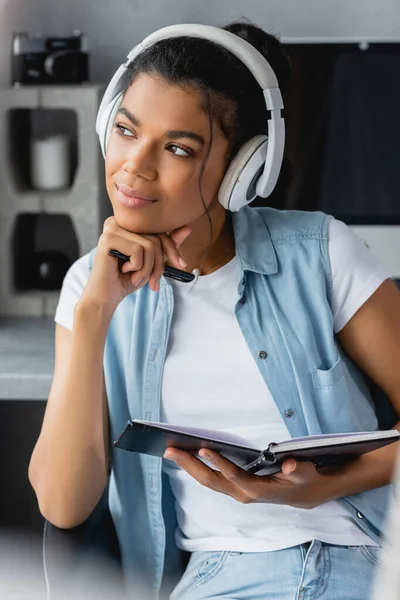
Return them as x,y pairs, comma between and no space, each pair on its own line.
284,311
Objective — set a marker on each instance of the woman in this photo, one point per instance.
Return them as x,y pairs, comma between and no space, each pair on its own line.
266,343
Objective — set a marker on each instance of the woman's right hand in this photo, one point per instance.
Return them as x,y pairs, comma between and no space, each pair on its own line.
107,286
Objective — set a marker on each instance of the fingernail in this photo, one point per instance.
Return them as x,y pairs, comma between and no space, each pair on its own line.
170,454
206,454
137,283
182,262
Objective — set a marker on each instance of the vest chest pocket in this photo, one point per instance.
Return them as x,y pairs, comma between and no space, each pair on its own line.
326,379
340,403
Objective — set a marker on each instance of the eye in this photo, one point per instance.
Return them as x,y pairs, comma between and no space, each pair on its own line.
123,131
179,151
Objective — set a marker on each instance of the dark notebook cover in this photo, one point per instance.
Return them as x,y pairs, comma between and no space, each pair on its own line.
154,438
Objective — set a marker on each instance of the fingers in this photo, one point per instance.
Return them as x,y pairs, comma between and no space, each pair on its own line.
288,466
136,259
166,250
171,251
298,471
148,253
146,262
179,235
206,476
300,487
268,489
156,274
251,485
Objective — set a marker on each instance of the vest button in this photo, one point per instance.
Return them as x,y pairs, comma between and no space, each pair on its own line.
359,515
262,354
242,300
289,413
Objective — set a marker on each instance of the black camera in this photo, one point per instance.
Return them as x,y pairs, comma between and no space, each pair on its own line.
40,60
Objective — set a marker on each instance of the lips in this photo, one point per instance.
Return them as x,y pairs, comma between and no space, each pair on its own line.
131,193
131,198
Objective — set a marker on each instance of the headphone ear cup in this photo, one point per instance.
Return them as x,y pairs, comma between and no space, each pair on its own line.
238,186
106,121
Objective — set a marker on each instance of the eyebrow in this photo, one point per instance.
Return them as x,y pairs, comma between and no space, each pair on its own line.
174,134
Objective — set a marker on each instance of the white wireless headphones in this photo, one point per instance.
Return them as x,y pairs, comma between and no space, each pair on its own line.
255,168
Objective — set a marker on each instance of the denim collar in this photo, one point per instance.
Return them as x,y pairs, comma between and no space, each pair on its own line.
254,247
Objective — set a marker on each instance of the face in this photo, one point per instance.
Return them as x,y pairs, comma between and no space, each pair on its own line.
154,159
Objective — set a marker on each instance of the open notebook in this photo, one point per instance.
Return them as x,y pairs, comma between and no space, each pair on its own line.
154,438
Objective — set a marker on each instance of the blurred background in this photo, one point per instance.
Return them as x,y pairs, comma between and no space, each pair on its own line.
56,56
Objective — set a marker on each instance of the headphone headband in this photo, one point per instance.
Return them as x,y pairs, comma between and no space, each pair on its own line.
249,55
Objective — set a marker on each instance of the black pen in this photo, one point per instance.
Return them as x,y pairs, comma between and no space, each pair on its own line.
170,272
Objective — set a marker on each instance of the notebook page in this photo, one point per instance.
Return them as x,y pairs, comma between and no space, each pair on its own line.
332,439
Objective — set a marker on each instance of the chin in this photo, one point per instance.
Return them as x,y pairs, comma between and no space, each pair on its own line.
134,222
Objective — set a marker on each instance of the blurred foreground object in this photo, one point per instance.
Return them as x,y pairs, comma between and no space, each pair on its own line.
73,574
387,582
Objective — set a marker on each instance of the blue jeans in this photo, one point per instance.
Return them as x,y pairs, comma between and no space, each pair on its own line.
307,572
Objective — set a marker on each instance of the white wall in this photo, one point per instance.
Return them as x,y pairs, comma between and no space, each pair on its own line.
114,26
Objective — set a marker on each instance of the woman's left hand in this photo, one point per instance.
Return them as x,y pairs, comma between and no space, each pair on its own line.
299,484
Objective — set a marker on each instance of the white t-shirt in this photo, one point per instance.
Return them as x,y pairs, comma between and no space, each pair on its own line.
204,326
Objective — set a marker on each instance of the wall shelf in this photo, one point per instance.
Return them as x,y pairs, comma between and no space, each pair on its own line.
25,126
28,113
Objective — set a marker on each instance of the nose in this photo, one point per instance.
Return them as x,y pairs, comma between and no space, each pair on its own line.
140,162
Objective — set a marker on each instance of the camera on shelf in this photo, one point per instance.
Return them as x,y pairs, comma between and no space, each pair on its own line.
47,60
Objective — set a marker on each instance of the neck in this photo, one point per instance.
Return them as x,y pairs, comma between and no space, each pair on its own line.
208,254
